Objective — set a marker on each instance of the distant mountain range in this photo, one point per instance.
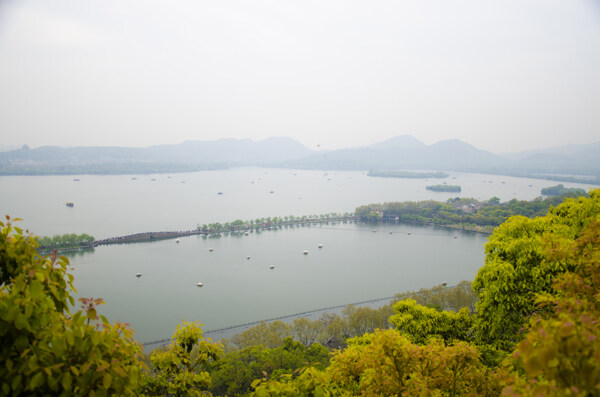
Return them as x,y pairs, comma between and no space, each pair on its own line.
230,151
399,153
404,152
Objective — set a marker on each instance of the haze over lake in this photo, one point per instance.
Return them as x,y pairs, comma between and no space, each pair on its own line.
355,264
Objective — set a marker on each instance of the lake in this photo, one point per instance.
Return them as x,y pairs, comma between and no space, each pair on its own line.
354,264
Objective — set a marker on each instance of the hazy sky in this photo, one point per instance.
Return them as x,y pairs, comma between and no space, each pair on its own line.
503,75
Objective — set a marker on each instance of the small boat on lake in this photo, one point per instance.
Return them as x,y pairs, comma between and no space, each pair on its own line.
70,204
138,274
199,285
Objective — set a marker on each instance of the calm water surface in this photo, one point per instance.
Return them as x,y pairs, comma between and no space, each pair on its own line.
355,264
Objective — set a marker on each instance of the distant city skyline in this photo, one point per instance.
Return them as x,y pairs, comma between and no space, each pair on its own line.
502,76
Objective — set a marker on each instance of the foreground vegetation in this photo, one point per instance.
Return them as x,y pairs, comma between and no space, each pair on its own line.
534,331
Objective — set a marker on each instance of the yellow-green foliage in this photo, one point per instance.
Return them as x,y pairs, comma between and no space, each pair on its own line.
515,268
234,373
420,323
45,349
538,293
387,364
561,352
180,369
541,275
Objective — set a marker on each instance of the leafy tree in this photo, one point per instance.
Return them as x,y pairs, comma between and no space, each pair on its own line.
560,355
265,334
386,363
421,323
235,373
443,297
516,268
180,369
307,331
360,320
310,382
46,349
333,326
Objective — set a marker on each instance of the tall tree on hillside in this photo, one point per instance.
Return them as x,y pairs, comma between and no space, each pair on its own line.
517,268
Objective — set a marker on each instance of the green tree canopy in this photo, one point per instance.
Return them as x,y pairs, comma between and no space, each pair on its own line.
517,267
46,349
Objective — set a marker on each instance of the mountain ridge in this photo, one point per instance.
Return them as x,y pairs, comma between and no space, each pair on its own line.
402,152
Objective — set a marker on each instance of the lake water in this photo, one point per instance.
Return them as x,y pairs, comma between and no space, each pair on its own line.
354,264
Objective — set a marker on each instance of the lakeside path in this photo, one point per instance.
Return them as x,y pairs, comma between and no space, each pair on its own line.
153,236
164,235
229,332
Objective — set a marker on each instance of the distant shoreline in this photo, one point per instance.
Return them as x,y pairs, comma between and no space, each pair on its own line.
166,168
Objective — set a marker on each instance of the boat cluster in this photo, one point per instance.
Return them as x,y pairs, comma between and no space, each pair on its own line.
248,257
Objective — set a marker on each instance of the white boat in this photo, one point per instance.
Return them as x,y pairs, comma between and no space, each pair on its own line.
305,252
271,267
320,245
138,274
199,285
210,250
177,241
